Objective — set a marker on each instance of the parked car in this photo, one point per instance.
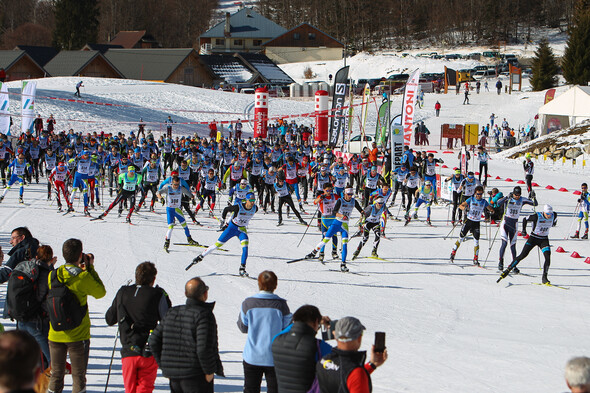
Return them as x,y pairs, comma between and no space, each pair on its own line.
247,90
490,54
356,145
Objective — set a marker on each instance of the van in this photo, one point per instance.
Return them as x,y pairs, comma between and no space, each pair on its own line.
356,145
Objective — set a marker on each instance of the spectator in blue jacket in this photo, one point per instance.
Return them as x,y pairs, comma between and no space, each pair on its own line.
262,317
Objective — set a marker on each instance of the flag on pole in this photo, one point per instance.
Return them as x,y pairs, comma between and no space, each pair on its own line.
337,120
382,123
4,109
28,105
408,105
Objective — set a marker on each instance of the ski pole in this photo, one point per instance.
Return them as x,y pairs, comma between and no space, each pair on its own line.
111,363
452,230
574,214
308,225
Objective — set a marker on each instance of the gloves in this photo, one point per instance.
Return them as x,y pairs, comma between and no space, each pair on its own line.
345,218
194,201
579,200
223,226
532,194
510,195
162,201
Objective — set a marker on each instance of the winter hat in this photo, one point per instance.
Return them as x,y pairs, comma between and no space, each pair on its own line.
548,209
348,329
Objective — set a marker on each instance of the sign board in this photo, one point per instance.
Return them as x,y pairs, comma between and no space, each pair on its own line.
471,134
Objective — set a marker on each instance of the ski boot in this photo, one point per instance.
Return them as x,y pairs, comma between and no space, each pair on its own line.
334,254
452,258
374,253
20,200
152,208
321,257
475,260
311,255
501,265
585,237
408,219
428,222
355,254
48,197
1,198
128,220
192,242
344,268
86,212
280,223
243,272
415,216
576,235
70,209
196,223
545,280
166,245
515,270
59,207
302,222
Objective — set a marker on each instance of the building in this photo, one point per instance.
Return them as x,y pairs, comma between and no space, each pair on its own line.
89,63
181,66
19,65
102,48
244,31
40,54
135,40
303,43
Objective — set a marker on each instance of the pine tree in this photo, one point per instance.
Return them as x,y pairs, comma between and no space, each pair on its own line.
544,67
576,59
76,23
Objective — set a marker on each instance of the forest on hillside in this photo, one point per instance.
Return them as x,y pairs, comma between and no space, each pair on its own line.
360,24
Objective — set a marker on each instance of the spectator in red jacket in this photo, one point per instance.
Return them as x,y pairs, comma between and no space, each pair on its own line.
213,130
437,108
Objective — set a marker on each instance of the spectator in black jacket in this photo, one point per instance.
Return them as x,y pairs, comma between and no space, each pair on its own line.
296,351
185,343
24,246
137,309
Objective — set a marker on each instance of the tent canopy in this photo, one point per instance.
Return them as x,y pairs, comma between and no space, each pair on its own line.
556,114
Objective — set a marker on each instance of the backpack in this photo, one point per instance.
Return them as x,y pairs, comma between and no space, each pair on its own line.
65,311
21,295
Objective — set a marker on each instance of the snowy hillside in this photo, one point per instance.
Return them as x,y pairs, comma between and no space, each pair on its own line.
450,328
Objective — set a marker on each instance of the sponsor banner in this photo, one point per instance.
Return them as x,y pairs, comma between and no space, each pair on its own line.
28,105
397,146
4,109
549,95
382,124
409,105
337,122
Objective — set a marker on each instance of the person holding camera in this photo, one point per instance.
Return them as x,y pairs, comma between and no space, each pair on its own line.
137,309
69,328
346,364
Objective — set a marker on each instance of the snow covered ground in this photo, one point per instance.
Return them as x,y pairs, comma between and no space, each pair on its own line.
450,328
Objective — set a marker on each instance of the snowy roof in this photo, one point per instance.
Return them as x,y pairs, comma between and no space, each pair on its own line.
574,102
246,23
266,68
147,64
228,68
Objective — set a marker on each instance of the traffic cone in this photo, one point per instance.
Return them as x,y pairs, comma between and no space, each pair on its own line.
587,260
476,173
498,178
550,187
508,179
535,184
444,166
562,189
575,255
577,192
560,249
520,182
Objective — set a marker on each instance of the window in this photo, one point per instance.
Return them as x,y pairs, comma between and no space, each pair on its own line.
219,42
238,43
257,42
296,36
311,36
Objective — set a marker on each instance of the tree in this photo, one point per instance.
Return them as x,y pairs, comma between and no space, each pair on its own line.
544,67
576,59
76,23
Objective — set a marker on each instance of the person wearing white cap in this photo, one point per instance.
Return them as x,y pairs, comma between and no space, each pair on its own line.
424,195
241,190
345,365
370,221
542,223
529,170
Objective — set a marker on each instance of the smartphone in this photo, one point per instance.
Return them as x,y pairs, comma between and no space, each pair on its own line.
327,332
379,341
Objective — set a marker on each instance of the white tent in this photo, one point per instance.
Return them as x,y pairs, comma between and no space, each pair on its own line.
567,109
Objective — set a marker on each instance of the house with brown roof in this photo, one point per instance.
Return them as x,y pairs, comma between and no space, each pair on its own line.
181,66
89,63
135,40
19,65
303,43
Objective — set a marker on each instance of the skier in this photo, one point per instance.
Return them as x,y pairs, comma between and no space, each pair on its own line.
412,182
456,181
343,210
466,99
284,191
514,203
476,204
370,221
584,203
151,178
129,183
18,168
425,195
240,218
529,170
400,175
174,192
58,178
429,170
78,86
326,202
207,190
50,161
483,157
241,190
371,181
542,223
83,163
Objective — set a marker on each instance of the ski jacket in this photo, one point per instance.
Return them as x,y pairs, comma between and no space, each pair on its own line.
344,366
296,351
185,343
24,250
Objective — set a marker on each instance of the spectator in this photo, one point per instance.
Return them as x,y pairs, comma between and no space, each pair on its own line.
296,350
477,86
169,123
577,375
373,154
34,318
262,316
344,365
19,362
499,86
437,107
486,86
466,99
495,196
185,343
417,135
424,132
24,247
213,130
80,278
137,309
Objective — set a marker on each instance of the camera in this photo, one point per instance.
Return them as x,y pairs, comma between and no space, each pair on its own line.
328,333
